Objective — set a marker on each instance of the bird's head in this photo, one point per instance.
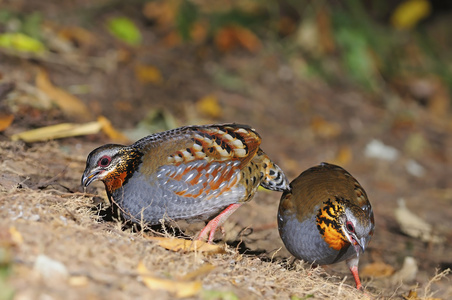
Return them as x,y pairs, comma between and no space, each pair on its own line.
357,226
112,164
101,162
342,223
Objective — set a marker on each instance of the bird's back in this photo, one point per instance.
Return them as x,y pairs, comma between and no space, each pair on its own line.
322,182
194,172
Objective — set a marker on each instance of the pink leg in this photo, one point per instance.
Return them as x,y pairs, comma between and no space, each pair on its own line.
354,270
211,227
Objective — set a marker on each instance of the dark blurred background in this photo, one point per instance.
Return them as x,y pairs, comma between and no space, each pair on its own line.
364,84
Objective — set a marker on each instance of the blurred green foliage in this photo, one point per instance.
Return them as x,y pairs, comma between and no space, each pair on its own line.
28,24
186,16
369,49
20,42
21,32
366,49
6,290
125,30
218,295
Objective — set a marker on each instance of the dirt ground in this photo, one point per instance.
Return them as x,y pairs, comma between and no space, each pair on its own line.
44,212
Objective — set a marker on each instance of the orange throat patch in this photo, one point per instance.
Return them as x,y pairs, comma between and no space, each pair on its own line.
329,225
115,181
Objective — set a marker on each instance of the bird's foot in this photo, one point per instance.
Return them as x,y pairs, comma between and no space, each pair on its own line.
354,270
211,227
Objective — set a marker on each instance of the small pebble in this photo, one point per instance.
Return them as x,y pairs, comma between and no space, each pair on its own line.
50,269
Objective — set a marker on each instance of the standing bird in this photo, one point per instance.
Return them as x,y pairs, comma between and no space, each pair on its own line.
192,173
326,217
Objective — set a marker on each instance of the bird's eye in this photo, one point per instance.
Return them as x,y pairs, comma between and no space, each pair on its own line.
104,161
350,226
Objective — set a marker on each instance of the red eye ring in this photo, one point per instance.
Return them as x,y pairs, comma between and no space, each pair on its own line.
104,161
350,226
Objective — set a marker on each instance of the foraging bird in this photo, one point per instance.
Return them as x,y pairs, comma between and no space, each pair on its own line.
326,217
192,173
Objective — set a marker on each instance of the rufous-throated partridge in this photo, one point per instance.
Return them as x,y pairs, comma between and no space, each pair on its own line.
192,173
326,217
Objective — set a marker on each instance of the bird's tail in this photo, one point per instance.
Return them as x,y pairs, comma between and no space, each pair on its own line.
274,178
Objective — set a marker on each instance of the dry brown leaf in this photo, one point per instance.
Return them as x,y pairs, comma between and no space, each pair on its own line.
198,32
5,121
79,281
325,129
201,271
181,289
111,132
248,39
377,269
7,246
163,12
343,156
412,295
175,244
209,106
225,40
198,35
414,226
16,237
57,132
78,35
69,104
148,74
439,103
324,27
408,271
230,37
172,39
124,55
